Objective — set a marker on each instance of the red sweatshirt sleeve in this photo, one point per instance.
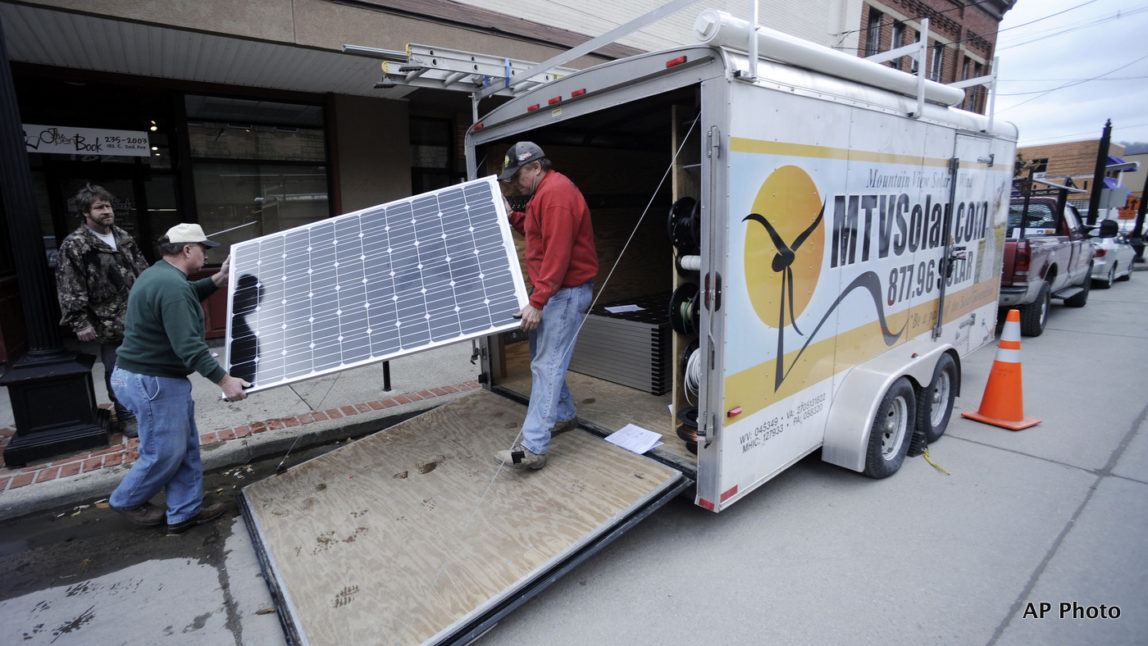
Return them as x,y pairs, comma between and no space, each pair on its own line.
518,221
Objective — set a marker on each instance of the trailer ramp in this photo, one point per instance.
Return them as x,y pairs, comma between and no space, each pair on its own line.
413,535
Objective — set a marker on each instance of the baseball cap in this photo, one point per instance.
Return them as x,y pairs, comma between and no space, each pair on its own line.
189,233
519,155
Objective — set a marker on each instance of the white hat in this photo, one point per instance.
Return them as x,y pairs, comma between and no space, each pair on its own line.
189,233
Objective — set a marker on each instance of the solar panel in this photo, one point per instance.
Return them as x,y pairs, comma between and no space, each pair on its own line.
372,285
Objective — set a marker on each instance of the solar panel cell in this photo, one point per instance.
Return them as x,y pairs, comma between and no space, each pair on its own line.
372,285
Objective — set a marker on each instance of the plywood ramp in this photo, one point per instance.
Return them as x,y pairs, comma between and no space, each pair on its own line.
607,405
407,535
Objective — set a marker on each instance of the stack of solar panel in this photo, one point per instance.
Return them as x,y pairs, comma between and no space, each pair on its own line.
632,348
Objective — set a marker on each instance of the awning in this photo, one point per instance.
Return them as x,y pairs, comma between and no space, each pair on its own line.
1118,164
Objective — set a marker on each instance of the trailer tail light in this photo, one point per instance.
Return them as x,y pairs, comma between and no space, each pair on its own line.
532,108
675,61
478,126
733,412
554,100
577,93
713,290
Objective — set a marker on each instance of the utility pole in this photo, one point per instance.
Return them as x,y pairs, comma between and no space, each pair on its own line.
1098,174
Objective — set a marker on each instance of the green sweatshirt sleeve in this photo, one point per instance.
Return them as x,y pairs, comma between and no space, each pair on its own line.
204,287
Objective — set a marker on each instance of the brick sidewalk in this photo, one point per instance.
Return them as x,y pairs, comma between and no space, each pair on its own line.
121,450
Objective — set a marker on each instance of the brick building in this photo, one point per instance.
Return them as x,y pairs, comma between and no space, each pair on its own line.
962,37
1076,161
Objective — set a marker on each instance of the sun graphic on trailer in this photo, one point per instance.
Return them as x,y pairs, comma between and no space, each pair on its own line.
784,248
784,245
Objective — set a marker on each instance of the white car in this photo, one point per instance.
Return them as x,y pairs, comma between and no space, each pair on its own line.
1114,254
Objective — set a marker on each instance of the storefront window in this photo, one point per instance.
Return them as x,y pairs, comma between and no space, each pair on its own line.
259,167
247,200
162,211
250,141
430,154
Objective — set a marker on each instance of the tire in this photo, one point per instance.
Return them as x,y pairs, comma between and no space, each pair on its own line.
1128,276
1107,281
891,431
1034,316
935,401
1081,299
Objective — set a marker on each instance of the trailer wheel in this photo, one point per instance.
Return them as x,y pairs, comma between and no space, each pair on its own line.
892,426
935,403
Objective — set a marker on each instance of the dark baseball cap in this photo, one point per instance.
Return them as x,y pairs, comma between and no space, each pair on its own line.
517,156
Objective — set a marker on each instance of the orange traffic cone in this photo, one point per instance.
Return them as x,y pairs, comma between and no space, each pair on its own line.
1003,403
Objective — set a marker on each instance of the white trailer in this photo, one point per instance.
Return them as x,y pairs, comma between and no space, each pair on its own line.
850,242
843,225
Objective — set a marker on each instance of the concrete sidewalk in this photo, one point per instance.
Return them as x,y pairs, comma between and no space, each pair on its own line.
343,404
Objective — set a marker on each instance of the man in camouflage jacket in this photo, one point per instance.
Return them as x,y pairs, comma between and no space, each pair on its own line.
96,266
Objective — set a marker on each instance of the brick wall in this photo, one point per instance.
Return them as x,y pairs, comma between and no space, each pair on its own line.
1075,159
967,32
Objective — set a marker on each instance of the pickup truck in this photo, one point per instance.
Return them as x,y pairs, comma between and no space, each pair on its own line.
1050,256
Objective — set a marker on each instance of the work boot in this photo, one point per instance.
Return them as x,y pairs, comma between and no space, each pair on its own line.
146,515
129,427
206,514
562,427
520,457
125,422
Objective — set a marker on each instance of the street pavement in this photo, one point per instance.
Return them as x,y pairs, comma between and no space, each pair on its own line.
1031,537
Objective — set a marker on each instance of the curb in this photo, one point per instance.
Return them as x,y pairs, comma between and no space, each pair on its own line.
87,475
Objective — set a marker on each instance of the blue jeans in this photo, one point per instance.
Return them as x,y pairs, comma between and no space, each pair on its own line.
169,445
108,358
551,346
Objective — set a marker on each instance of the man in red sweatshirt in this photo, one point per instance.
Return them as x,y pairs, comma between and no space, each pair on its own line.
561,262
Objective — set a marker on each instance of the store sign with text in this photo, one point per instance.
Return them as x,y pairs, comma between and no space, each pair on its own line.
67,140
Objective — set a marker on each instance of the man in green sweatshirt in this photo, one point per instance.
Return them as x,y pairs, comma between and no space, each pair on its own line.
163,344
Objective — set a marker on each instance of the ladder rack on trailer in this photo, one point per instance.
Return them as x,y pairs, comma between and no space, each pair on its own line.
443,68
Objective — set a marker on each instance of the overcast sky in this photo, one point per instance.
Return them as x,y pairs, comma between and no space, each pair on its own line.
1066,66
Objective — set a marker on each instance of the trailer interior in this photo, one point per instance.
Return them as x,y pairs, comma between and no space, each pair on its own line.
623,160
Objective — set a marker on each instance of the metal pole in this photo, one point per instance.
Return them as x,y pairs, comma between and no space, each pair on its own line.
1027,198
1098,173
993,93
753,21
1138,229
23,223
53,402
